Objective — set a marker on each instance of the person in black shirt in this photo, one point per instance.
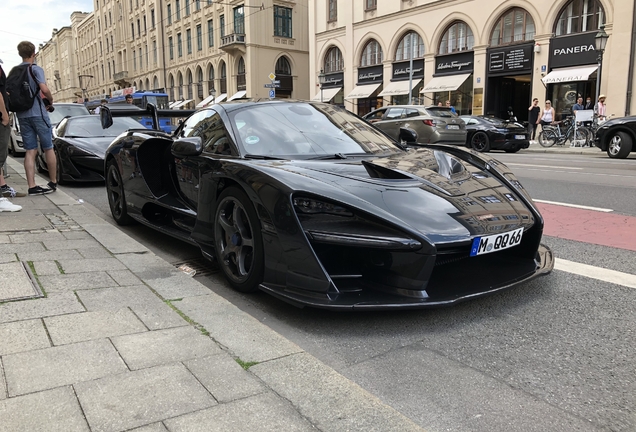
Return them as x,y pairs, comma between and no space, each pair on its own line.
533,116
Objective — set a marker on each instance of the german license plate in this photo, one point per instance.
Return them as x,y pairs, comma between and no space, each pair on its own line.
496,242
520,137
452,127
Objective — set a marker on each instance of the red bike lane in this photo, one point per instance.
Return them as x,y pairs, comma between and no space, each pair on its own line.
589,226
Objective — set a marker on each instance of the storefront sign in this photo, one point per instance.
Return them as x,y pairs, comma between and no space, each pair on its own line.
451,64
370,74
333,80
573,50
401,70
511,59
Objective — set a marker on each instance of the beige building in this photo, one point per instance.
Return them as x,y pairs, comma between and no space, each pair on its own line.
482,55
189,49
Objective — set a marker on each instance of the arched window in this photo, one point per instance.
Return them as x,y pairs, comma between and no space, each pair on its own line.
371,54
282,66
147,84
580,16
223,77
516,25
200,83
189,78
180,85
155,83
211,85
404,47
457,37
240,75
333,61
171,88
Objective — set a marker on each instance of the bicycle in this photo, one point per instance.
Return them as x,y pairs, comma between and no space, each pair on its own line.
553,134
593,127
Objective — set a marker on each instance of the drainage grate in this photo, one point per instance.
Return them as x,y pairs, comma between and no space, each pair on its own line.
17,282
202,266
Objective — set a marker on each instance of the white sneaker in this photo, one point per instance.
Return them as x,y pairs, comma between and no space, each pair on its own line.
6,205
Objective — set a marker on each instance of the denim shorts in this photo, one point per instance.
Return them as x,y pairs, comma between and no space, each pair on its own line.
33,128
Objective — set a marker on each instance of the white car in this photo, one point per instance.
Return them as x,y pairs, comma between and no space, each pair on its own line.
15,141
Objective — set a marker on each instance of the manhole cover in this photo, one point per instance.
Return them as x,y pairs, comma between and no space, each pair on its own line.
202,266
17,282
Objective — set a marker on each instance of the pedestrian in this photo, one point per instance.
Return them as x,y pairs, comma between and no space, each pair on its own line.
588,103
129,99
35,122
578,106
600,107
547,115
99,107
452,108
533,116
5,136
439,103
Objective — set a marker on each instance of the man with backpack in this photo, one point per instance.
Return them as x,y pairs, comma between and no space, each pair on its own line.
25,84
5,136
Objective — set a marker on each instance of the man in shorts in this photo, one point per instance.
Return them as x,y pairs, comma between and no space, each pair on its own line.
35,123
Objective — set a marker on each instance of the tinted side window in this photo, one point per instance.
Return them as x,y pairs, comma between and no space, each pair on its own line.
410,112
377,115
213,135
394,113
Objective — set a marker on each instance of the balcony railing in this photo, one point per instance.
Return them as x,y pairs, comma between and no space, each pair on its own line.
120,75
233,41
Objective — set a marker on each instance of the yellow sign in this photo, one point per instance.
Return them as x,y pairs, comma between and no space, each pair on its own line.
272,76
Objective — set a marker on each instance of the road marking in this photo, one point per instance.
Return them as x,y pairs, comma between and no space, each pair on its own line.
545,166
599,209
598,273
587,173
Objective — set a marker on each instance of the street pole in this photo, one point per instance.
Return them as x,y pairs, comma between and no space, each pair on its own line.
411,71
321,81
599,59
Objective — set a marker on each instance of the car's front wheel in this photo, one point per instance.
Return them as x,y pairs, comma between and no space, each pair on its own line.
238,241
480,142
620,144
116,195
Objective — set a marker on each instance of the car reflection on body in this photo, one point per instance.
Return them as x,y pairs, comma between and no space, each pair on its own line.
307,202
80,145
432,124
491,133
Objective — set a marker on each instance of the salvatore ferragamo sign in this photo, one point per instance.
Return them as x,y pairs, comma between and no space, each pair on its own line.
454,63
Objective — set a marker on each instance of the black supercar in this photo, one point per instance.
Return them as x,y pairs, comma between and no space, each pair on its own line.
315,206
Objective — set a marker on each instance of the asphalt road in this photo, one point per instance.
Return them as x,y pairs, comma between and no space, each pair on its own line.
554,354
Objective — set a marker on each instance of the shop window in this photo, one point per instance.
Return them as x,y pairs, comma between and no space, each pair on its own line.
283,73
404,47
457,37
333,61
579,16
372,54
514,26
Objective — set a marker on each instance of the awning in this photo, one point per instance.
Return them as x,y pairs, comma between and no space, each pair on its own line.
181,103
205,101
173,104
237,95
580,73
397,88
363,91
445,83
327,94
221,98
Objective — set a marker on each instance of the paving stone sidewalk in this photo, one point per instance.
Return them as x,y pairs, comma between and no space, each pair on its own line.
113,338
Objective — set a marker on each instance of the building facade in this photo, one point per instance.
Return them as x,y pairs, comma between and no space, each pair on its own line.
482,55
191,49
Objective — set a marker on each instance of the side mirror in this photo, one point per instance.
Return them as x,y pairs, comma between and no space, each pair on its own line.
408,136
106,117
187,147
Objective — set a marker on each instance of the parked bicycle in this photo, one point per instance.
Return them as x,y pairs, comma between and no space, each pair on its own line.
561,132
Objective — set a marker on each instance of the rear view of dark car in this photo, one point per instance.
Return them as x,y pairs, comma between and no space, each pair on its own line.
432,124
492,133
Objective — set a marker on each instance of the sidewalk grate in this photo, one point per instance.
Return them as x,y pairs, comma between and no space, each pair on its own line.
202,266
17,282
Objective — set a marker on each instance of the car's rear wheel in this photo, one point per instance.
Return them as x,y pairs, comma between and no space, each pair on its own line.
116,195
620,144
480,142
238,241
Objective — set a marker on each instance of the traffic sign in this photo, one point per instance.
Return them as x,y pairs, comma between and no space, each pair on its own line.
272,85
272,76
272,93
276,82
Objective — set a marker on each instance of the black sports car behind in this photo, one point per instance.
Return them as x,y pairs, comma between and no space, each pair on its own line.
492,133
310,203
80,144
617,137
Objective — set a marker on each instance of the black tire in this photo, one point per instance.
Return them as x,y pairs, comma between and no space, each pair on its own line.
547,138
480,142
238,240
619,145
116,195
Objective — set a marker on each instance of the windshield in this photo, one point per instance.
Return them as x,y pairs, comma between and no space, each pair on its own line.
62,111
161,102
90,127
440,112
305,130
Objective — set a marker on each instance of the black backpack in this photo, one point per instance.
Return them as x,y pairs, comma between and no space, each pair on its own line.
20,95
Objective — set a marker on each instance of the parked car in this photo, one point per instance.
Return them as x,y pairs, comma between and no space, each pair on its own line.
66,110
16,146
433,124
492,133
617,137
80,144
306,202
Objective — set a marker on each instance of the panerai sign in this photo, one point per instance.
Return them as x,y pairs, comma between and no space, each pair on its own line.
454,63
572,50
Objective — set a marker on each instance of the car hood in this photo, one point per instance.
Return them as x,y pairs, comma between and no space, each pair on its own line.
442,197
95,145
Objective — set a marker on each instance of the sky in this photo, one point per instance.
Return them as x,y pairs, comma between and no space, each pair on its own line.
33,21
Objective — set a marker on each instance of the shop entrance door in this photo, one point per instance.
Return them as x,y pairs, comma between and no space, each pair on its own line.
504,92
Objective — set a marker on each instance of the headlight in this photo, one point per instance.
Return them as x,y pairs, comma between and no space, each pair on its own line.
313,206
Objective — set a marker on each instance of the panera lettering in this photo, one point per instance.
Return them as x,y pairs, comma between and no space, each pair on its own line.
574,50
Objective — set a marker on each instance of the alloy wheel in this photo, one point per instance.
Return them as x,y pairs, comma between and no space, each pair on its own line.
614,145
115,190
235,239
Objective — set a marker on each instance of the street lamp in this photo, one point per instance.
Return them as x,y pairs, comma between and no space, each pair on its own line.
600,41
322,78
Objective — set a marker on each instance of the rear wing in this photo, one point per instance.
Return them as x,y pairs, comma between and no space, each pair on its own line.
106,114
